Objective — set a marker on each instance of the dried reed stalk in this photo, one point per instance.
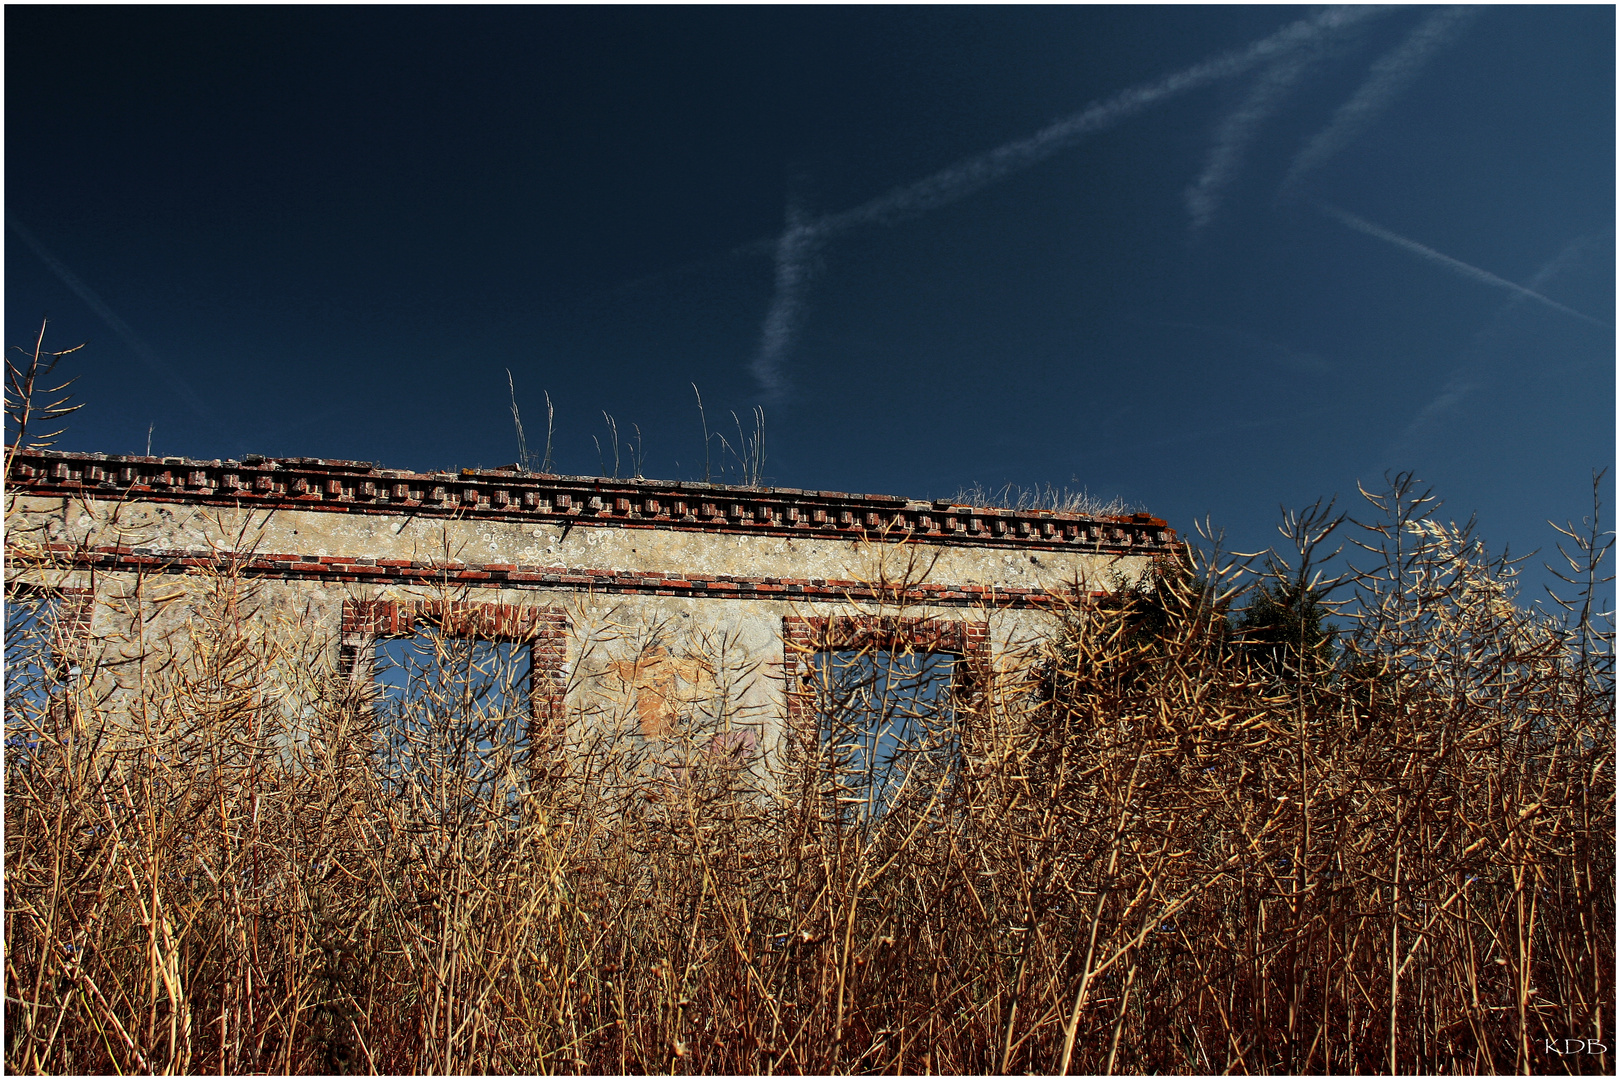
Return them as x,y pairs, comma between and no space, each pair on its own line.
1139,844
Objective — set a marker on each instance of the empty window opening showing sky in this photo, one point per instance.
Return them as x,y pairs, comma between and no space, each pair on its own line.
453,710
887,722
36,669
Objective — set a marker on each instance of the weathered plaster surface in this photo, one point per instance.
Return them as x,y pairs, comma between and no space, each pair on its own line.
98,522
634,657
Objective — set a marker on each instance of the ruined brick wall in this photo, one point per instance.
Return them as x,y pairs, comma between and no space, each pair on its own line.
626,590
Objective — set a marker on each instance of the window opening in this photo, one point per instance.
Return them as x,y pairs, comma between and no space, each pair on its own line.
888,723
38,666
454,712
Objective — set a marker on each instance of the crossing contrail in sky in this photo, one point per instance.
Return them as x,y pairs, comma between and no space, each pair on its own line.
1456,266
972,174
956,182
118,325
1466,378
1386,80
1238,130
795,255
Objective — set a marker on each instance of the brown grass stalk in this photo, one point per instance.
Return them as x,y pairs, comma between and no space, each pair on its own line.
1141,843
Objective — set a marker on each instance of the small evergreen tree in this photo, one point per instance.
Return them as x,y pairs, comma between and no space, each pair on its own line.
1284,629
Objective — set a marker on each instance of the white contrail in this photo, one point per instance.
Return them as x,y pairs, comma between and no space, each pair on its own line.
971,174
1466,377
118,325
1457,266
955,182
1386,80
1238,130
795,258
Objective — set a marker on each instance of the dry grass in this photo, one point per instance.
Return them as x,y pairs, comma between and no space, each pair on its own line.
1133,847
1043,497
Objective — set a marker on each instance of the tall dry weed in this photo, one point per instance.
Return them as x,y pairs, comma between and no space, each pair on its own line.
1134,844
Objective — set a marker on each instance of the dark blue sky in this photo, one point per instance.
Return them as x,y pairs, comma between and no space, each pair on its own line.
1207,259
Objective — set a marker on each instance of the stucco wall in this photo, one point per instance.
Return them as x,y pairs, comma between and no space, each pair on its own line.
663,617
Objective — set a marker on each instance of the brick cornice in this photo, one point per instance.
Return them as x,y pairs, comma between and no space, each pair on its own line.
357,487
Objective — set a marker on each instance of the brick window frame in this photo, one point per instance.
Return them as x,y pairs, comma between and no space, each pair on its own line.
805,636
544,629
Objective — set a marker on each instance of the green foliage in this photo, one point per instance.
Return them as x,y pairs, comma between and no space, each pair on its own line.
1284,629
